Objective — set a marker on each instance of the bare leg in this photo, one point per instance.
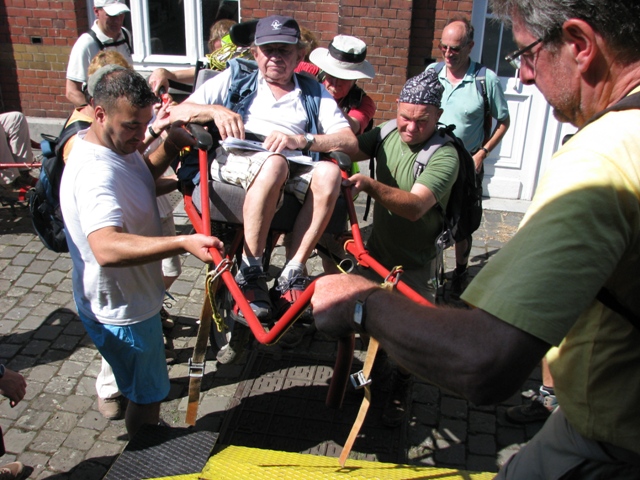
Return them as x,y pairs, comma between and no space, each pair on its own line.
260,204
316,210
138,415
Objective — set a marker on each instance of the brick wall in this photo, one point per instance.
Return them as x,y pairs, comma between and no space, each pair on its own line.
36,37
35,40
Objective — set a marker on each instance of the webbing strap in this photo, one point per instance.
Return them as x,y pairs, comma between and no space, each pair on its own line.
372,350
197,360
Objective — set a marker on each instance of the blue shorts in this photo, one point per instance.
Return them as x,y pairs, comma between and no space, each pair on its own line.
136,355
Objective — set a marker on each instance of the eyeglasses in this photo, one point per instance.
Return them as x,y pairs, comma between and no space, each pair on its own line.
514,57
454,50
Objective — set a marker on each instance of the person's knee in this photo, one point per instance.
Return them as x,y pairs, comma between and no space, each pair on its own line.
326,179
274,170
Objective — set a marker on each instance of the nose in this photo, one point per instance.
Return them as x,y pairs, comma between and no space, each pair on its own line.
527,74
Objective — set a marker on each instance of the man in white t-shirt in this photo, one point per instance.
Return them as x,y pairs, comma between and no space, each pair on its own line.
108,201
278,109
107,32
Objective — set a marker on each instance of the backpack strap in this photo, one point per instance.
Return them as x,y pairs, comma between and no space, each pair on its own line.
124,41
437,140
480,74
67,132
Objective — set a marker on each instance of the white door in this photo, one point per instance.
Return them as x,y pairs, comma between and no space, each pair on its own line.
513,170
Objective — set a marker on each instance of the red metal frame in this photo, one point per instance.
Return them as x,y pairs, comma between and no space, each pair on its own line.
271,335
19,165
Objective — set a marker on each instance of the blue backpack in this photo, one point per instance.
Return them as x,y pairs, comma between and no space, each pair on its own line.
44,201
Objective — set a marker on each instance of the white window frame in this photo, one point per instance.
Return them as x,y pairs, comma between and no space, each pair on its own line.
142,58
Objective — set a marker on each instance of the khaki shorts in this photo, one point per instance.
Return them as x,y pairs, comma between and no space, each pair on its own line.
242,167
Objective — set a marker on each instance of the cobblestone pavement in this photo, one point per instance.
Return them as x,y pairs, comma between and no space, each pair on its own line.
58,431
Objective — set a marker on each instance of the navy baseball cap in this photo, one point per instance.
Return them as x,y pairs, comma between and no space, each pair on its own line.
277,29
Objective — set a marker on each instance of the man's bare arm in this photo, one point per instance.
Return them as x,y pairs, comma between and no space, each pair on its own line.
469,352
74,93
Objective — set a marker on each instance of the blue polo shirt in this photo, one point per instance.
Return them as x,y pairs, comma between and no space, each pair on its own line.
463,105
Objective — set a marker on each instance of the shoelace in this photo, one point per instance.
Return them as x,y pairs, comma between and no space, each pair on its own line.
298,282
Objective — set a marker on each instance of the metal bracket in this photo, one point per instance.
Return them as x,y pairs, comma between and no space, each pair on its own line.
358,380
196,370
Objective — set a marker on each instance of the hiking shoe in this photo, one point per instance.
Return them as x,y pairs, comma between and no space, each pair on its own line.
170,356
167,321
537,410
111,408
287,291
397,404
12,471
232,352
459,282
253,283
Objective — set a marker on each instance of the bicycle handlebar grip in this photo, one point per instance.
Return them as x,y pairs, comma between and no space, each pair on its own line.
203,138
341,371
343,160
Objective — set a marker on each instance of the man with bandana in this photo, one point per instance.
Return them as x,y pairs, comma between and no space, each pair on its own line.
405,222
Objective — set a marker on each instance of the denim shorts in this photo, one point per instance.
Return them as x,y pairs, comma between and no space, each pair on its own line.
136,355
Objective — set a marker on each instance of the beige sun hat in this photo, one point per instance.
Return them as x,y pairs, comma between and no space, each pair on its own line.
345,58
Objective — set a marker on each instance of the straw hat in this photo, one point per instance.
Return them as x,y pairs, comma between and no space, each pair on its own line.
345,58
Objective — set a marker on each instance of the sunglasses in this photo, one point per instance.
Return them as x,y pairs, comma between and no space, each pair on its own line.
514,57
454,50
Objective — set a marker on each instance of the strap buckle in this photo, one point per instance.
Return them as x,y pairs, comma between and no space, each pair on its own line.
196,370
358,380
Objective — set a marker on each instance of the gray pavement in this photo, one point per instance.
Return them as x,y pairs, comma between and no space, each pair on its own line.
58,431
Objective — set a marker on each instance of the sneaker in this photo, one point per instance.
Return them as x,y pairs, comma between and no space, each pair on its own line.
459,282
287,291
537,410
397,404
12,471
110,408
253,283
167,321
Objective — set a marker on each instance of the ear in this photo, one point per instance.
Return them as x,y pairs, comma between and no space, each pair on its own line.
582,40
99,113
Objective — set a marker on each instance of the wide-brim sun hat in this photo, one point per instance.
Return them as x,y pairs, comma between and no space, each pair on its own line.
112,7
344,59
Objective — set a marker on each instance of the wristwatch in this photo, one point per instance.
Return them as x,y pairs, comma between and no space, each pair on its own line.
152,132
310,140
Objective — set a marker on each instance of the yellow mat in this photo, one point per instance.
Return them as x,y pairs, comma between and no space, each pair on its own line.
254,464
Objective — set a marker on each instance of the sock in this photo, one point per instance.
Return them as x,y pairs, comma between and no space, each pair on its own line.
291,269
248,262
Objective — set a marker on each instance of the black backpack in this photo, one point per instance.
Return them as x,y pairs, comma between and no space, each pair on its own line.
464,209
44,202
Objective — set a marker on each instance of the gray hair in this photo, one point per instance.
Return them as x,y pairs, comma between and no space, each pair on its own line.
618,21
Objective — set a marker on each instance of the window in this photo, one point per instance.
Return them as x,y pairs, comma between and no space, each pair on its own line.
174,31
497,42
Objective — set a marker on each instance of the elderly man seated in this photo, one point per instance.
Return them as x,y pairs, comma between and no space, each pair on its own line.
292,113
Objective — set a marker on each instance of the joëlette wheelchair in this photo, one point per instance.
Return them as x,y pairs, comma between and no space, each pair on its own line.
215,208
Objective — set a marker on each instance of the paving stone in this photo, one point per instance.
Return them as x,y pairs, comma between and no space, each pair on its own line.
76,404
93,420
482,444
65,459
62,421
80,439
16,440
39,267
60,385
28,280
32,419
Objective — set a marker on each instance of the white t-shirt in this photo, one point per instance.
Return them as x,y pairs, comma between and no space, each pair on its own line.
86,48
99,189
266,114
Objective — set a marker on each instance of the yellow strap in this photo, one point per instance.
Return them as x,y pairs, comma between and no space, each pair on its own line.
372,350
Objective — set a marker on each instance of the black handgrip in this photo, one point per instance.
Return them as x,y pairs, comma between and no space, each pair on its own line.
342,159
203,138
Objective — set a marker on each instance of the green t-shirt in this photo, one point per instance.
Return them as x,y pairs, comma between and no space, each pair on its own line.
582,231
395,240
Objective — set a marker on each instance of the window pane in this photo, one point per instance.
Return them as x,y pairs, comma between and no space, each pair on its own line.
497,36
214,10
166,24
